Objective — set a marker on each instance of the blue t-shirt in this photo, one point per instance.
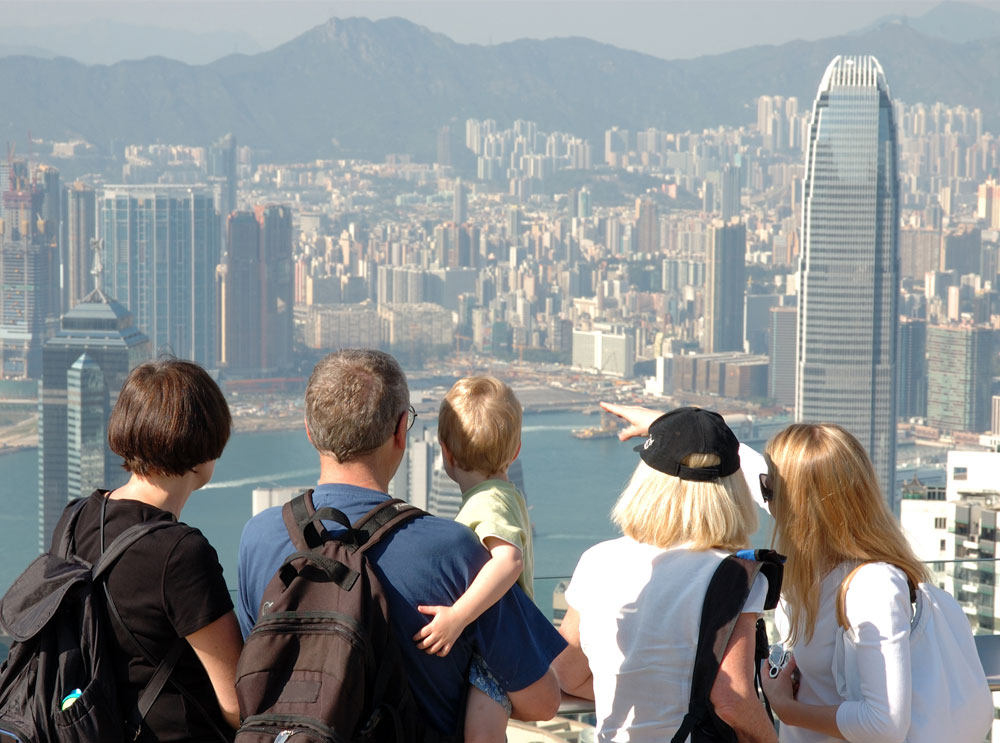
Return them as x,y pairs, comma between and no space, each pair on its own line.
427,561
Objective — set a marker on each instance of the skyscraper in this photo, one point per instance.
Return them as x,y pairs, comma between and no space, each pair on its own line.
277,288
161,249
725,286
29,264
848,269
239,295
959,377
81,213
222,171
83,368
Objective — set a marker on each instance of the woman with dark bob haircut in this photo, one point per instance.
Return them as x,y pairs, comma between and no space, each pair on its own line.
169,425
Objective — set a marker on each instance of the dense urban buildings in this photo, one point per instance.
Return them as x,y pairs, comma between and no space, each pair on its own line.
848,275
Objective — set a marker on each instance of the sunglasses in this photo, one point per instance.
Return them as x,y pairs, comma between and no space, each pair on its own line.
766,491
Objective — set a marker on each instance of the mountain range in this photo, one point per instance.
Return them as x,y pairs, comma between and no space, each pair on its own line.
355,87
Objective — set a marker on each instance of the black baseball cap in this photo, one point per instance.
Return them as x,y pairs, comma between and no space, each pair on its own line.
684,431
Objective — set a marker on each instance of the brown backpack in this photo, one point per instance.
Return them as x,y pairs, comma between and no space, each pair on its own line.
321,663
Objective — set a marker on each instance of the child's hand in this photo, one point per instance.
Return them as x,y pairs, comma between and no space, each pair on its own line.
438,637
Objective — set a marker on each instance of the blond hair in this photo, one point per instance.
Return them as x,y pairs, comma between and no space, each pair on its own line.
666,511
480,423
828,510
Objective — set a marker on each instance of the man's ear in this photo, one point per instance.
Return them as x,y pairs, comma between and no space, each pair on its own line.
400,434
308,435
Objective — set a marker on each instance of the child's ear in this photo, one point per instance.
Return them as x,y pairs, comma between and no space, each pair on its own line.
518,452
448,457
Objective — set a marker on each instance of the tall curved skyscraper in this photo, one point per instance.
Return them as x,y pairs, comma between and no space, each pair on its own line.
849,265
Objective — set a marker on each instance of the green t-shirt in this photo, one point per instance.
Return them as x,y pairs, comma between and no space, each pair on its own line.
495,508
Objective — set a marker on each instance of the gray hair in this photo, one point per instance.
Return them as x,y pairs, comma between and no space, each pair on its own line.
354,400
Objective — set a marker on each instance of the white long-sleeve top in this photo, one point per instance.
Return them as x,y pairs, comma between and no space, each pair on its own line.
879,612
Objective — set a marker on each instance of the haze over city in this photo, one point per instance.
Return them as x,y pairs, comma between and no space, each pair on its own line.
781,211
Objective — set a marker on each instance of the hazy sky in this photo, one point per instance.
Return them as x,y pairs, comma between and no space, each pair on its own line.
669,29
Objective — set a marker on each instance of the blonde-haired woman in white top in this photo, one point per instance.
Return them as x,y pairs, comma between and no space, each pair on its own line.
834,525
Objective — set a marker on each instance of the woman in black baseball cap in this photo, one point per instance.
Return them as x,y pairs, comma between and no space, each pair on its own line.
635,603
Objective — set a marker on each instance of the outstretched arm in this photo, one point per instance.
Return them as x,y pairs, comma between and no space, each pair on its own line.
638,418
493,581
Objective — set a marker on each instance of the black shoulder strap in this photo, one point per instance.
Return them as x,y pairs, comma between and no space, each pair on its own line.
304,526
66,538
727,593
383,519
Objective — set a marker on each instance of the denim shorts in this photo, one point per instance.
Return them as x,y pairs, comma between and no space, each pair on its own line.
483,679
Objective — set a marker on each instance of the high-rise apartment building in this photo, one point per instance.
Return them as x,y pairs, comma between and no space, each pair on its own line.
725,286
848,269
81,229
911,369
959,377
647,225
83,368
277,284
781,371
29,270
254,291
161,249
222,172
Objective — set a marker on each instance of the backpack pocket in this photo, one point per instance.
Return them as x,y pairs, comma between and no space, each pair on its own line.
286,728
303,668
93,716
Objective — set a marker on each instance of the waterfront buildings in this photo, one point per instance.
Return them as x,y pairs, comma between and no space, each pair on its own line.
83,368
848,270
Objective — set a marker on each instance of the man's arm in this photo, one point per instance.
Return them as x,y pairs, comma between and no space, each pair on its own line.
539,701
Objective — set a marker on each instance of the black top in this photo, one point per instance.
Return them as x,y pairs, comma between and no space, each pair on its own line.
167,585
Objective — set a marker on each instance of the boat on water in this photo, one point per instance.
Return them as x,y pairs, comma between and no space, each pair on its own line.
608,429
595,432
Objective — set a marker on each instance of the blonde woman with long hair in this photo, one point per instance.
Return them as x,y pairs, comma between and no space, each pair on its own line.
849,566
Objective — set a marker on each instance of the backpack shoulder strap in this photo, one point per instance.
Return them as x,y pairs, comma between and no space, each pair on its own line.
303,523
384,519
125,540
725,597
65,547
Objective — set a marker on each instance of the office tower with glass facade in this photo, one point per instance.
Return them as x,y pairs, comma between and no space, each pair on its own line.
83,367
161,249
848,268
725,286
911,368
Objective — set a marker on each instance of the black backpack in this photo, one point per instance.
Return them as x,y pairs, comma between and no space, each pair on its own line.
322,664
724,600
58,684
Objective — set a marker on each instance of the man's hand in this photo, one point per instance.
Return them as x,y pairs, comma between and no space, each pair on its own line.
438,637
638,418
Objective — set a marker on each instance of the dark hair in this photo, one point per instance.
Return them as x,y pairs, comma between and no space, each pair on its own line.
170,416
354,400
